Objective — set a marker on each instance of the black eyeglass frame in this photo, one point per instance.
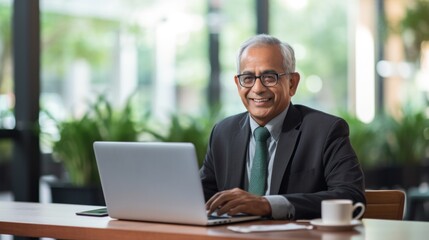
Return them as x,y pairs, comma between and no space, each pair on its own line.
277,76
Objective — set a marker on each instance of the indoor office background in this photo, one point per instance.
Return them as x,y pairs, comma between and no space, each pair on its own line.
163,70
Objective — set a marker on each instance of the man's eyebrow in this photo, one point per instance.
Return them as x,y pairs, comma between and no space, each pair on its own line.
265,71
269,71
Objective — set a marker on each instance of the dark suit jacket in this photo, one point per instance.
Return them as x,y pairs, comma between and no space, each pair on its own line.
314,160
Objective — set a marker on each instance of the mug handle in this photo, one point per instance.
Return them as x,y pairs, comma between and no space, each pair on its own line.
362,211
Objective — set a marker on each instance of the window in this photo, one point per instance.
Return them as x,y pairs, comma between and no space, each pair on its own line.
153,50
319,33
7,120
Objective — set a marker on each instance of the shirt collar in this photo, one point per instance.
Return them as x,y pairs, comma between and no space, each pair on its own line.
274,126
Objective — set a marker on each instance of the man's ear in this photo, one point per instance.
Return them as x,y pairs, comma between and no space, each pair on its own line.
293,83
236,82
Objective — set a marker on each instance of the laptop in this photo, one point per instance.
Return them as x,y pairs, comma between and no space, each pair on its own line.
154,181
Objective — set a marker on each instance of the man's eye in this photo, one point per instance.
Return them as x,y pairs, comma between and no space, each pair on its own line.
269,78
248,78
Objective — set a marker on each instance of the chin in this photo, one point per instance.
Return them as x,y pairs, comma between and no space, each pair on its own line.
259,116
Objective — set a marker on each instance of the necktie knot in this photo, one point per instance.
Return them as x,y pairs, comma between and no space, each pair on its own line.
261,134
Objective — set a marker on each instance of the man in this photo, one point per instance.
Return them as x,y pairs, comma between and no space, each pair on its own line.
309,155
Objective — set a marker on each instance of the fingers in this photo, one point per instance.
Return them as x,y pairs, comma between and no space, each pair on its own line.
231,207
212,199
236,201
218,201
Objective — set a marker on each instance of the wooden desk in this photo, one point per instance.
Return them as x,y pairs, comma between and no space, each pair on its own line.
60,221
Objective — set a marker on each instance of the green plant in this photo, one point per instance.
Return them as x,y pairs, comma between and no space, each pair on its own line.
75,145
6,49
416,24
406,138
390,141
186,128
101,123
6,147
363,137
74,149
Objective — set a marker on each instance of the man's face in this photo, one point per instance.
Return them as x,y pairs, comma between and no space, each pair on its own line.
265,103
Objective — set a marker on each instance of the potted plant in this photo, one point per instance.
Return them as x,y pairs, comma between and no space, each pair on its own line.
187,128
391,150
406,146
74,149
363,137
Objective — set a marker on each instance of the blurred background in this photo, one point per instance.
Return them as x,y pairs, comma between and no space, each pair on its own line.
76,71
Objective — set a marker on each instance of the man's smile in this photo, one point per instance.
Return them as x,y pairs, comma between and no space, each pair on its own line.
260,99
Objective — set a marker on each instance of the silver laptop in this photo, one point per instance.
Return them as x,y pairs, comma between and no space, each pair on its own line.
154,181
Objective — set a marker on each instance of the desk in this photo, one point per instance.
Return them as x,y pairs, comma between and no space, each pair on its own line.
60,221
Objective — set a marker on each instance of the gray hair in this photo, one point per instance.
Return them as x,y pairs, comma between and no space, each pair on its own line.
263,39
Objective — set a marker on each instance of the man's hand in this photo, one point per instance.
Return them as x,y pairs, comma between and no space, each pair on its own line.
236,201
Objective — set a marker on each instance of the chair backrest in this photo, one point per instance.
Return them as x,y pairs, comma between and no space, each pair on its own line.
384,204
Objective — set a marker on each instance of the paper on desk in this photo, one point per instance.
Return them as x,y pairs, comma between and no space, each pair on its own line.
267,228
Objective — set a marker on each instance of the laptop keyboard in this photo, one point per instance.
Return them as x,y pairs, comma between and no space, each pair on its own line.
214,217
225,216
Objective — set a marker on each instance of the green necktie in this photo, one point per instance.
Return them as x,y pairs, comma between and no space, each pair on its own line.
258,174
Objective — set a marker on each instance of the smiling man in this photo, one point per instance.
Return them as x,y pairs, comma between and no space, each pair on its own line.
277,159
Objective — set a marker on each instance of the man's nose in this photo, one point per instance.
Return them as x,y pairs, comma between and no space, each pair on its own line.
258,86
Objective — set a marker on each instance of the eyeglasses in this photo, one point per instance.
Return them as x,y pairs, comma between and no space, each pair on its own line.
267,79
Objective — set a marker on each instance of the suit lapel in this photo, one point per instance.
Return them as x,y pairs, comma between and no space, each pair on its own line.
286,145
239,142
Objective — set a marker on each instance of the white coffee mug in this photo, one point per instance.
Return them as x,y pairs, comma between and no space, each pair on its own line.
340,211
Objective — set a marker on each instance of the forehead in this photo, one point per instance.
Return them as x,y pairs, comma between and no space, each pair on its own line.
261,57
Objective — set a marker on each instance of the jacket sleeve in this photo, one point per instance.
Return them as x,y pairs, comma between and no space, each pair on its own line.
341,171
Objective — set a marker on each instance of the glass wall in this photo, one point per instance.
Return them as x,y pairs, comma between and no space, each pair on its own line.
239,23
154,50
157,52
7,119
319,32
